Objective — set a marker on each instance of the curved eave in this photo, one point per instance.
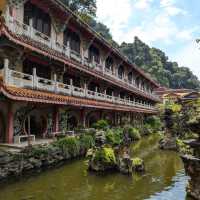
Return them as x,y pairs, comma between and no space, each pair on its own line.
28,95
32,45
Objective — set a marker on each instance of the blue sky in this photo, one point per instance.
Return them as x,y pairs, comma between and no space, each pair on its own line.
171,25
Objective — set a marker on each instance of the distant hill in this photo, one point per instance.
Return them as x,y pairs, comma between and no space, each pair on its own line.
156,63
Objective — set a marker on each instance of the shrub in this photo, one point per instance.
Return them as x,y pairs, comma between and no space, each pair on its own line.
87,142
182,147
134,133
113,138
154,123
39,151
105,155
69,145
137,161
101,124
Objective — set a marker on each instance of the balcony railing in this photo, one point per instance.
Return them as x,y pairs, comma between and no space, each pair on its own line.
20,28
23,80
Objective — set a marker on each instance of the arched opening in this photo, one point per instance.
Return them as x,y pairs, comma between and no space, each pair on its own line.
40,18
94,54
35,125
73,39
1,63
92,118
121,72
76,80
42,68
137,82
122,95
2,128
72,122
109,91
94,87
130,77
109,63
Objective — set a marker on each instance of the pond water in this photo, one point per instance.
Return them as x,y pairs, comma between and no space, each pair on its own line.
164,180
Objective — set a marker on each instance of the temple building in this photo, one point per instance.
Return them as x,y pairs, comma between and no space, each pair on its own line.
56,74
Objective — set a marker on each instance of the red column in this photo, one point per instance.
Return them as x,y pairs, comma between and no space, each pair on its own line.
56,119
82,117
10,125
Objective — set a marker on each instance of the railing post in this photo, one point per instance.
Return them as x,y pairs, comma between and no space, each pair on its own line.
85,90
71,86
68,49
6,71
31,27
35,81
55,83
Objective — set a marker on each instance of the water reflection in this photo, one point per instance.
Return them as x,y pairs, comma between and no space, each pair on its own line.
164,180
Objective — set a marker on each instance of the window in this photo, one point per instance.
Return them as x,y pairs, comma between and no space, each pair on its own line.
94,54
73,39
41,20
109,63
121,72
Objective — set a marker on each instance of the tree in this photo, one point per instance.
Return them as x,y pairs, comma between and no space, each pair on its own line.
156,63
85,8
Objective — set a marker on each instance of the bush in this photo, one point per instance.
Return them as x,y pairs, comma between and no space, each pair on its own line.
134,133
137,161
182,147
69,145
105,155
101,124
39,151
154,123
87,142
113,138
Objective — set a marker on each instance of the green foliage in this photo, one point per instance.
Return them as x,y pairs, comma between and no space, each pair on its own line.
132,132
154,122
113,138
137,161
87,141
182,147
86,9
105,155
101,125
70,145
39,151
156,63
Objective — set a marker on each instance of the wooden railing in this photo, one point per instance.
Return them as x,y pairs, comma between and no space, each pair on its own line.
23,80
20,28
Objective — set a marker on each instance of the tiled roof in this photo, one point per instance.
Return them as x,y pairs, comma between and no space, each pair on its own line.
45,50
21,94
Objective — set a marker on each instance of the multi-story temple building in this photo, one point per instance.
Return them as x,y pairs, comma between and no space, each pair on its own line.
56,73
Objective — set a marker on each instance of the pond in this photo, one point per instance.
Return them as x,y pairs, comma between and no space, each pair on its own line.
164,180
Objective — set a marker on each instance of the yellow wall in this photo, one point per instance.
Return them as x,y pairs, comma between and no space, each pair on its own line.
2,4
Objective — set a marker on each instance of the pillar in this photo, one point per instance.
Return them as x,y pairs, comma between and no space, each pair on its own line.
56,119
83,117
10,124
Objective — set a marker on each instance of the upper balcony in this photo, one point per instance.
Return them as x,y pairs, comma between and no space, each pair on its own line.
34,82
21,29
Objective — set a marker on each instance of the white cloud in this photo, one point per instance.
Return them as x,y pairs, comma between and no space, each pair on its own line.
115,14
189,56
142,4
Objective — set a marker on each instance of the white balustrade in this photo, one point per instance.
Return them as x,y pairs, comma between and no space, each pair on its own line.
20,28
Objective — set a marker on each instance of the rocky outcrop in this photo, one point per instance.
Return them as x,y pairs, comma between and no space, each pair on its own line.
192,168
168,143
14,164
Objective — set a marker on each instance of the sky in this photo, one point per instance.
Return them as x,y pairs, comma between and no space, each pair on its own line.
170,25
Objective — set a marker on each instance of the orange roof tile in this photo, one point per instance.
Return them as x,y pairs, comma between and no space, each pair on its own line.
21,94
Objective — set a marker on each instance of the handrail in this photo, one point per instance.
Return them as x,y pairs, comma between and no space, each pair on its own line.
23,29
20,79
